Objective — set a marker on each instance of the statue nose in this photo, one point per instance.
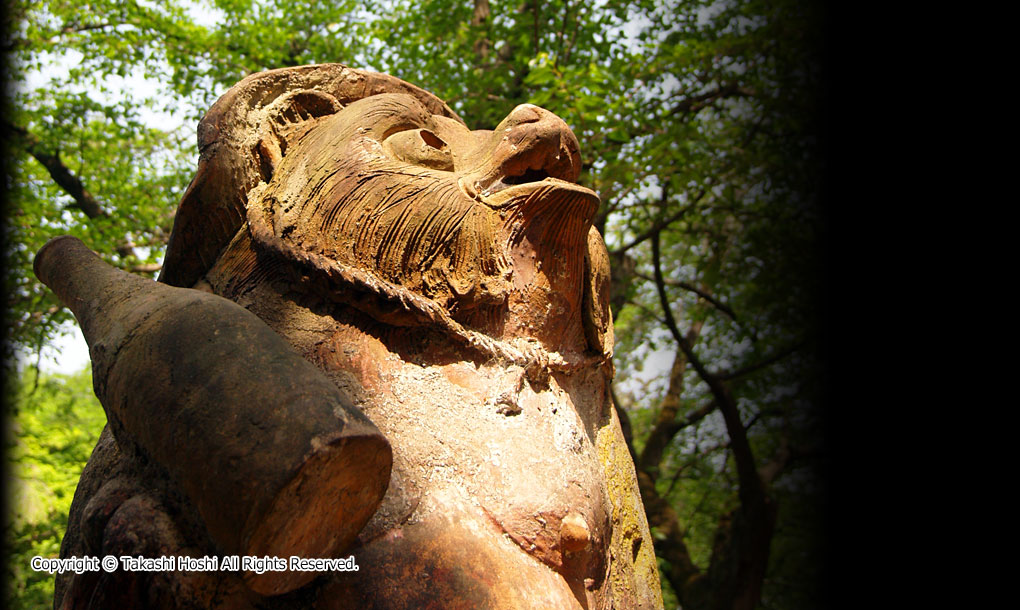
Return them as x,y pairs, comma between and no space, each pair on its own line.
525,113
530,144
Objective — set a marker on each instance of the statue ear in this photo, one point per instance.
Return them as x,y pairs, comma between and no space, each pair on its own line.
285,120
597,318
242,138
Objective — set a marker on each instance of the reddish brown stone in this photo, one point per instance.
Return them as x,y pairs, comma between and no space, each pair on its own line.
450,284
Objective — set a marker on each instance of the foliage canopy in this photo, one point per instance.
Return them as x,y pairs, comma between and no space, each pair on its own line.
57,424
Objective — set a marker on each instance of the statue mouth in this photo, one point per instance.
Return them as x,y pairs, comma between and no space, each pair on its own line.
528,186
525,176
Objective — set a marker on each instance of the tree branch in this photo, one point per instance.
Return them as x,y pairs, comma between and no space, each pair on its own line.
743,538
478,19
535,36
682,574
785,456
71,184
74,29
751,490
665,427
661,224
697,102
146,268
698,291
61,174
783,353
565,60
664,432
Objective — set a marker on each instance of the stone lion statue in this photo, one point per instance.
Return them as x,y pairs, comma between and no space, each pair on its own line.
449,284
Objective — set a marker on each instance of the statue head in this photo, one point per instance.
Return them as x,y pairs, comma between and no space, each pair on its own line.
380,187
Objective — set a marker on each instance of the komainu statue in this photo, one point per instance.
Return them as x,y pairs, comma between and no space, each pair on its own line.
379,337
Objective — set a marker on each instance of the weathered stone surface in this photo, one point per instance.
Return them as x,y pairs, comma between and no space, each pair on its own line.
194,385
450,283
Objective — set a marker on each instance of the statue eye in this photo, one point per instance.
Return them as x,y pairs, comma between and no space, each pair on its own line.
432,139
421,147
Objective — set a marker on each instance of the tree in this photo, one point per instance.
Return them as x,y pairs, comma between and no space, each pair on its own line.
696,122
57,424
